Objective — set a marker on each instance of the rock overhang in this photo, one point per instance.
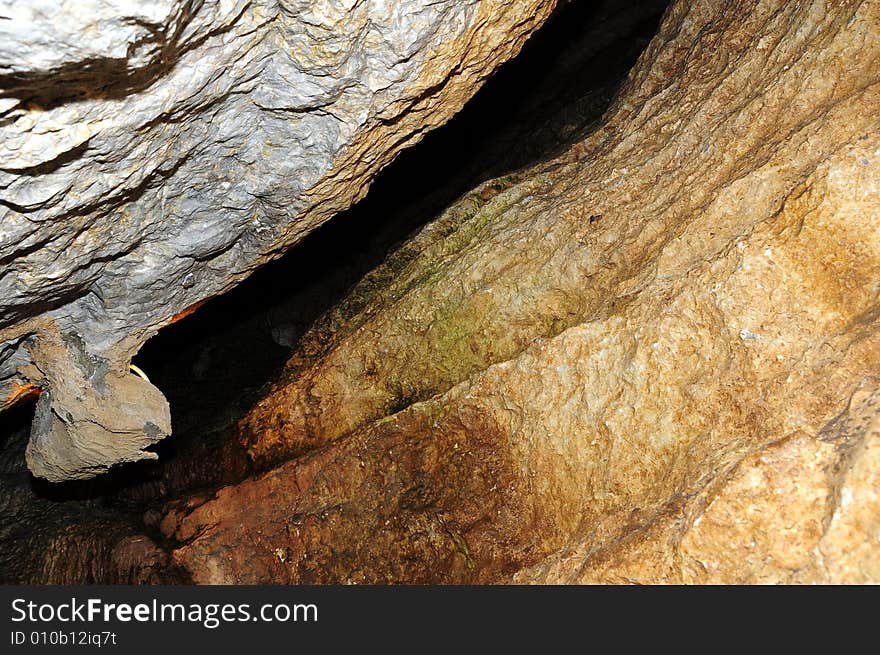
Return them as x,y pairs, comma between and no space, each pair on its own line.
160,163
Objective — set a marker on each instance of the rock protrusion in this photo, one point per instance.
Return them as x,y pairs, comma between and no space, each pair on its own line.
89,416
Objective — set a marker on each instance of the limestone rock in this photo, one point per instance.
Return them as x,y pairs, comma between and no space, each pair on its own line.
91,418
801,510
152,154
653,358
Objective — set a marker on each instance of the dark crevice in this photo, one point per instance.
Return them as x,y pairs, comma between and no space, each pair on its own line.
212,365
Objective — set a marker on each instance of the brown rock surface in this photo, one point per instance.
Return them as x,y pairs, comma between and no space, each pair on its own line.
651,359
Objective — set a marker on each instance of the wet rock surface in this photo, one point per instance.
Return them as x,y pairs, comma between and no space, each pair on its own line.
70,533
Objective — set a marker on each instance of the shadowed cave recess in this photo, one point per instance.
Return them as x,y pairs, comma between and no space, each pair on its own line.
214,364
523,292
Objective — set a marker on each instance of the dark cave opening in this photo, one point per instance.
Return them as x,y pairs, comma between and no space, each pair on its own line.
213,364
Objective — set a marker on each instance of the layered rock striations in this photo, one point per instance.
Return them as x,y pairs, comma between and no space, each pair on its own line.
153,154
653,358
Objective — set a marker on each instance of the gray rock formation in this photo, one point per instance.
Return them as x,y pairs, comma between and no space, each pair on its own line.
153,154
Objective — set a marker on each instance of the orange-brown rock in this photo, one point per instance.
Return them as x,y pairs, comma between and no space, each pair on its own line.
654,358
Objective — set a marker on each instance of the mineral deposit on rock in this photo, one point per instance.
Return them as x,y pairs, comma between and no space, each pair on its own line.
654,358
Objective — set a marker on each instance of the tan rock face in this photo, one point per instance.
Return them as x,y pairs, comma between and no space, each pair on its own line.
800,510
652,359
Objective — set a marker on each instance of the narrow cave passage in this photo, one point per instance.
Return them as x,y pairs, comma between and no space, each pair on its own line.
212,364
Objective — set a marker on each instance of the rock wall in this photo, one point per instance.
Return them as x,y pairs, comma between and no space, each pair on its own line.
152,155
653,358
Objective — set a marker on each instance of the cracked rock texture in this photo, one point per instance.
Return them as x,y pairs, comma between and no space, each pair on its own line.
654,358
153,154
